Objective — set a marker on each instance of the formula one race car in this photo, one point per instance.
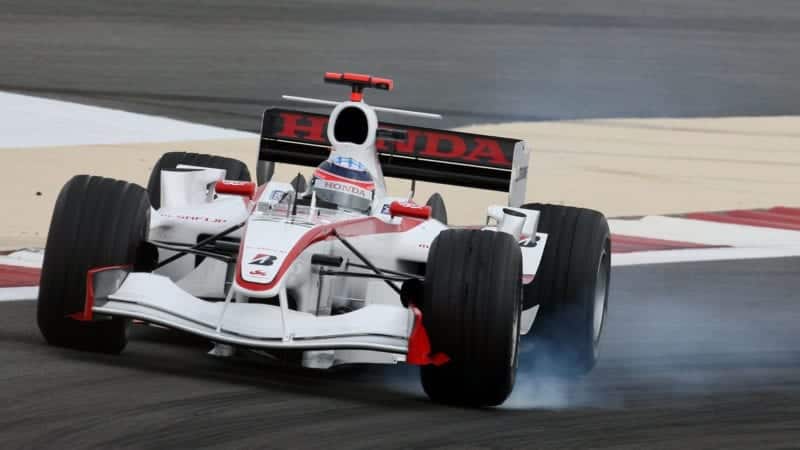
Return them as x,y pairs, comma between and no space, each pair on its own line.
334,270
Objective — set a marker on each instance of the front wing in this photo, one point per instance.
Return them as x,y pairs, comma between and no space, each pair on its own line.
156,299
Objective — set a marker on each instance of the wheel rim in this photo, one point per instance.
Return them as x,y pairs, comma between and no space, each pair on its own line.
600,297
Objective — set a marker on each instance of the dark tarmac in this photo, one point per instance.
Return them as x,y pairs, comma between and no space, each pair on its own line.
223,62
695,355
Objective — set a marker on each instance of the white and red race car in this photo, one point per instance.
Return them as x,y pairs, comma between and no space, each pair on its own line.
337,270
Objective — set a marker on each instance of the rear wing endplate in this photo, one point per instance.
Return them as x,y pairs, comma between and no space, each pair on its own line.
425,154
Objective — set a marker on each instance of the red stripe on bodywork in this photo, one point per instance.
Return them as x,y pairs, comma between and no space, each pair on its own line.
361,226
16,276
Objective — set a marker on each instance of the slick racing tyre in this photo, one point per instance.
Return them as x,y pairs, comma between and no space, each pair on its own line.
571,287
471,309
438,211
97,222
234,169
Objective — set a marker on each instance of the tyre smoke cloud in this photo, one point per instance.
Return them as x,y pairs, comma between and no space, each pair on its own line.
678,332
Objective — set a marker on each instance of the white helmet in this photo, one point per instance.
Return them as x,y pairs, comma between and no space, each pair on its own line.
344,182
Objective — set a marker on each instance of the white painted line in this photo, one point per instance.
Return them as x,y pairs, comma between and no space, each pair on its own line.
24,258
19,293
705,232
5,260
27,121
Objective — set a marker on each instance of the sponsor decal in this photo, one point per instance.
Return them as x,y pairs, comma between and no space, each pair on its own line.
450,147
422,142
325,175
276,195
307,127
196,218
385,209
263,259
342,187
258,273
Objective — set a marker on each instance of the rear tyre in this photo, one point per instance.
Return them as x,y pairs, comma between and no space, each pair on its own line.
471,309
438,211
571,287
96,222
234,169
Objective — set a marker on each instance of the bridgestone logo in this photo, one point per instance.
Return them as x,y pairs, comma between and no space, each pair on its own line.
263,260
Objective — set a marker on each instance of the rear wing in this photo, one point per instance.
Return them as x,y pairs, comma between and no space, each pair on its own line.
424,154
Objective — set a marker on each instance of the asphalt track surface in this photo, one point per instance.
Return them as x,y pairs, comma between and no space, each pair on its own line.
700,355
221,62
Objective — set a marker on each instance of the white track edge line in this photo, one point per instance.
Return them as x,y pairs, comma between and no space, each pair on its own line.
699,255
13,294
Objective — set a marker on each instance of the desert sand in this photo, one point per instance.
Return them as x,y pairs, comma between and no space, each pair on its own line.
621,167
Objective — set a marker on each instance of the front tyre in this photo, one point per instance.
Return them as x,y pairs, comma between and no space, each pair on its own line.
97,222
471,309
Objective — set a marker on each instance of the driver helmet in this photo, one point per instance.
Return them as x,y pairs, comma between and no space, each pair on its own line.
344,182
